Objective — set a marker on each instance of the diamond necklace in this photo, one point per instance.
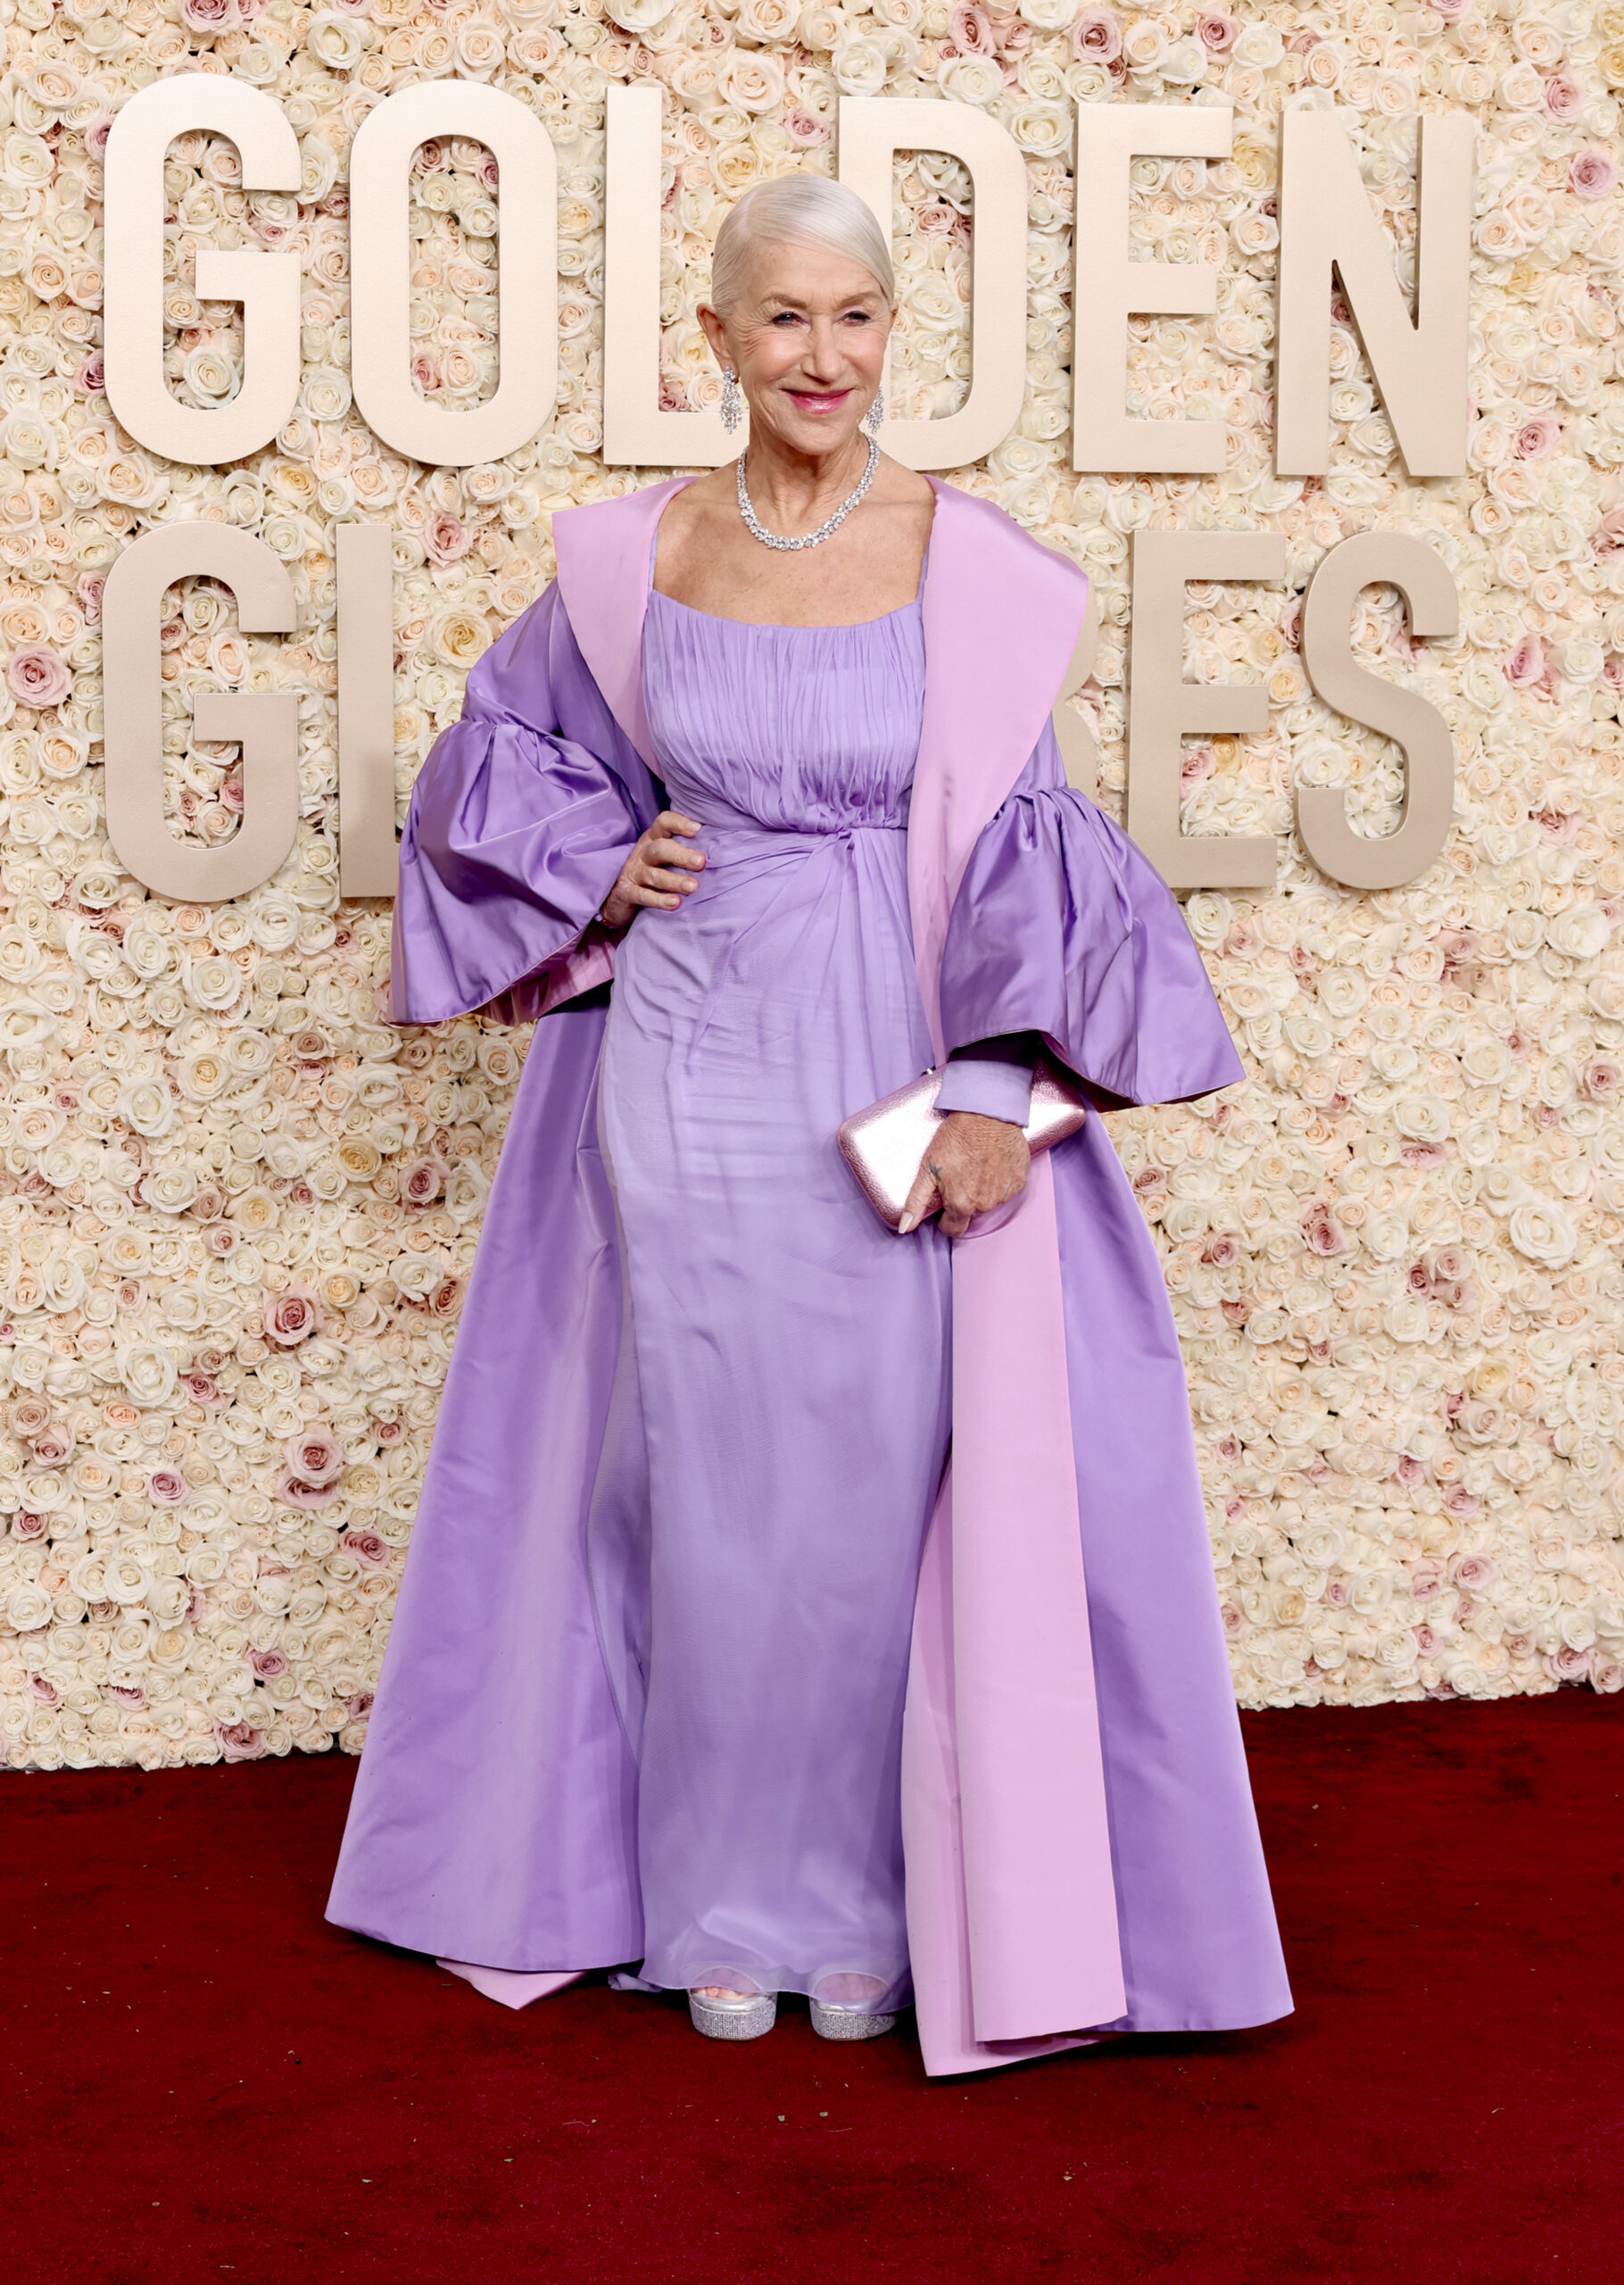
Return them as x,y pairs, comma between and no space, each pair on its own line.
831,524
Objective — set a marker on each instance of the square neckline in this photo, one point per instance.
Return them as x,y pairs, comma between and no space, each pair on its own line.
785,626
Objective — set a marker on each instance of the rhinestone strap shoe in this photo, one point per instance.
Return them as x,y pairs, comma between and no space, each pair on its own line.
748,2014
847,2022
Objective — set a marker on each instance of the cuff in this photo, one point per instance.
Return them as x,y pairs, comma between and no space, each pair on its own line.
992,1077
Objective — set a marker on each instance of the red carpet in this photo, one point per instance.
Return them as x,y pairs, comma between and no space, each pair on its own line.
203,2081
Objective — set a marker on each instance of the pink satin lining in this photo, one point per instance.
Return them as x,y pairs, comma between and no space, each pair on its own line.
512,1989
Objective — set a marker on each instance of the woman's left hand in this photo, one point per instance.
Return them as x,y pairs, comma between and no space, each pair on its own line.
970,1164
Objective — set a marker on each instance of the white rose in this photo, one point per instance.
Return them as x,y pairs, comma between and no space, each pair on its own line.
147,1371
1580,932
972,79
28,1608
859,67
1543,1231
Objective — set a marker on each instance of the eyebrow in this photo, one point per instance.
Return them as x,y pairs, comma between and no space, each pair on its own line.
797,302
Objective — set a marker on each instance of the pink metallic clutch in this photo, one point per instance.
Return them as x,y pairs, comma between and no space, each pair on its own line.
883,1144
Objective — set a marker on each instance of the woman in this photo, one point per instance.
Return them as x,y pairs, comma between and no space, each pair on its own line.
706,1660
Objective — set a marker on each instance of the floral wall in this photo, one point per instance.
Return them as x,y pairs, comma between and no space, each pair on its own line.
237,1211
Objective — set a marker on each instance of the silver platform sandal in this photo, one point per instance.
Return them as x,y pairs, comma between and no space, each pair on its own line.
749,2017
847,2022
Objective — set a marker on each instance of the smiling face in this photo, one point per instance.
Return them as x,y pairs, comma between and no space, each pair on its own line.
806,338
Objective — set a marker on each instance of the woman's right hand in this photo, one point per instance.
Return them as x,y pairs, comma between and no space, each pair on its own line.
660,871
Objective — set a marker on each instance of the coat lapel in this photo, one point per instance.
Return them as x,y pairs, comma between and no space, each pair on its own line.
603,550
1011,1897
1001,615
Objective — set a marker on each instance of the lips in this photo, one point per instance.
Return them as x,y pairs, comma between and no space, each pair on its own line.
818,400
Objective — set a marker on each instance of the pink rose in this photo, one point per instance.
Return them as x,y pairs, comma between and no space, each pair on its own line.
26,1524
42,1692
209,15
421,1185
1199,762
166,1487
1526,665
1567,1665
92,375
1536,436
124,1694
1449,9
360,1706
96,134
1322,1232
238,1742
1216,32
1097,38
268,1664
1592,173
293,1492
367,1547
1472,1571
445,538
970,29
291,1318
90,587
1601,1080
314,1455
1564,98
38,677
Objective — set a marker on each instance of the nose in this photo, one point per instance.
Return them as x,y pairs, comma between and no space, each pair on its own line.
823,357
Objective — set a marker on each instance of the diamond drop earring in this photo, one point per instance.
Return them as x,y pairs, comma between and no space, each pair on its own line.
876,413
733,411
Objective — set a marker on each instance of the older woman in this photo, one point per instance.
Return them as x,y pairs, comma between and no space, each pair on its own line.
710,1668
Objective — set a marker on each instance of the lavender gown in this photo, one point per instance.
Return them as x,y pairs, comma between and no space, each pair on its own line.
781,1411
708,1483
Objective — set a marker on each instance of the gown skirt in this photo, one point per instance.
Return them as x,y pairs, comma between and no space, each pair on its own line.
781,1404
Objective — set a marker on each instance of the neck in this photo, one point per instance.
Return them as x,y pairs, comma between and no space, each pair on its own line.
795,491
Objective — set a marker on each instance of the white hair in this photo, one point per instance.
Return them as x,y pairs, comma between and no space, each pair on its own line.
803,210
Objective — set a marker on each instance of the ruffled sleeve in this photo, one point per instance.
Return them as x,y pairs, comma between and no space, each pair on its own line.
519,821
1061,927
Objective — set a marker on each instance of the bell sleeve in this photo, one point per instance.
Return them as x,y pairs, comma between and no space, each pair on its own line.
1061,928
515,833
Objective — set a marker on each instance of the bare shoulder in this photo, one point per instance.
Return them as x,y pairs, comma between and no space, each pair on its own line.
694,502
903,486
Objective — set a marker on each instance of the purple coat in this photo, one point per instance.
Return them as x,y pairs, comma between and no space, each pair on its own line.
1081,1852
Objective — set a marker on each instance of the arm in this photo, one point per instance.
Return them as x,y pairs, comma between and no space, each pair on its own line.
1062,930
1062,936
520,823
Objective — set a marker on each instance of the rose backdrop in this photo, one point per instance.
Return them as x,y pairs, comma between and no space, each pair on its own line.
239,1211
